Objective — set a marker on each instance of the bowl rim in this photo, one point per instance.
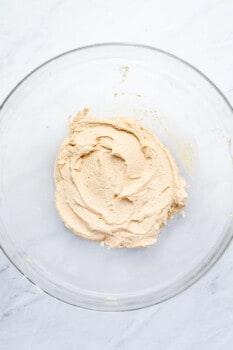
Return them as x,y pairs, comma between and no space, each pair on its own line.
196,274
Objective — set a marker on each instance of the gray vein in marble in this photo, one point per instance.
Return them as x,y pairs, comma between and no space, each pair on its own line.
18,301
213,285
4,268
134,327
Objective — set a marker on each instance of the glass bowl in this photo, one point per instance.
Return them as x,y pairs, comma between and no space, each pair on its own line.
182,107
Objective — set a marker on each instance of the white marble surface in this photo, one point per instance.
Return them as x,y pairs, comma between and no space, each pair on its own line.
200,31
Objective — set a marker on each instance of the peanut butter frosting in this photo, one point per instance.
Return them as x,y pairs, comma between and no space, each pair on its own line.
116,183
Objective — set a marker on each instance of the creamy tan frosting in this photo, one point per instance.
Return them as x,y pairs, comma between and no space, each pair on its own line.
116,182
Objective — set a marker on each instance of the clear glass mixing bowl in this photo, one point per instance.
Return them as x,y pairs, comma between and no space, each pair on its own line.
182,107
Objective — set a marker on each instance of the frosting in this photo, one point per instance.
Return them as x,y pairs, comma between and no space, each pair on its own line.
116,183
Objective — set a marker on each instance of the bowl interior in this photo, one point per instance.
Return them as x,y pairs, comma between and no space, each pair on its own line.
181,107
